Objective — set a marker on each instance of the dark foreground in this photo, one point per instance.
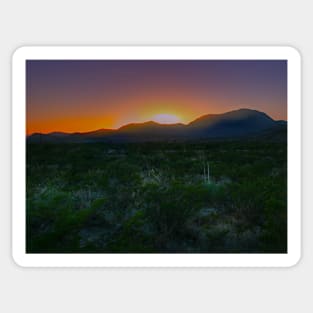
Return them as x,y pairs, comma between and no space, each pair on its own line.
141,198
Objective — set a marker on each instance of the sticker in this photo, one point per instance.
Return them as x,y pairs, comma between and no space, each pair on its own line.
156,156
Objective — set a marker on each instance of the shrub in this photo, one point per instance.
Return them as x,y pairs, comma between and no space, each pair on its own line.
53,222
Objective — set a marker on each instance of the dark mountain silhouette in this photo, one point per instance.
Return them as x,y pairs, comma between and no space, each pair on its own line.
235,123
97,132
242,123
149,126
150,131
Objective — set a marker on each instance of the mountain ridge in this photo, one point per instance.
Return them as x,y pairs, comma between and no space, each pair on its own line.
237,123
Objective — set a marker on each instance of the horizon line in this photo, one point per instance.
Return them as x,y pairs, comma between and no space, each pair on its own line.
148,121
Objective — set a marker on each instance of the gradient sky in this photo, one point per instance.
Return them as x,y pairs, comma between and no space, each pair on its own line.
69,96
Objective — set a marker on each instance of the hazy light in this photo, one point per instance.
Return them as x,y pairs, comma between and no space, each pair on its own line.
86,95
166,118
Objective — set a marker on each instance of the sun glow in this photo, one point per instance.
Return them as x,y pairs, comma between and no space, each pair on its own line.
166,118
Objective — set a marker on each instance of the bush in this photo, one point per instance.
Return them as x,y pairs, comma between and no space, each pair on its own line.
53,222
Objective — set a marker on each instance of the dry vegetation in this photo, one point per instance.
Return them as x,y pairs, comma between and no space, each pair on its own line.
156,197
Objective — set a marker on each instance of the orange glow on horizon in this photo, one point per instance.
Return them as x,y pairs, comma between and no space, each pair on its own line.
168,110
69,125
171,109
84,95
165,118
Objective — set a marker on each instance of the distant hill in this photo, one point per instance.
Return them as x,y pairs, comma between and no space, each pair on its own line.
232,124
242,123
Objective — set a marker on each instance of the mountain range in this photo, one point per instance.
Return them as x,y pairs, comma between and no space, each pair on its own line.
242,123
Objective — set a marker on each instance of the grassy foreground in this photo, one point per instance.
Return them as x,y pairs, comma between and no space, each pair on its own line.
157,198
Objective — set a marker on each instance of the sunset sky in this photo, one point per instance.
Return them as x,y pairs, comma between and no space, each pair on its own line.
72,96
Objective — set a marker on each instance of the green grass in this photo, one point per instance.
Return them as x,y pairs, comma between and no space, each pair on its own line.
153,197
